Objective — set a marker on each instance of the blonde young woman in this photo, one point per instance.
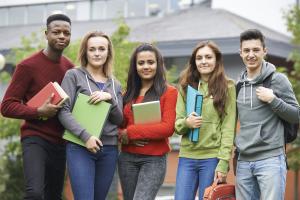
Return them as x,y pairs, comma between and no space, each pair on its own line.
90,169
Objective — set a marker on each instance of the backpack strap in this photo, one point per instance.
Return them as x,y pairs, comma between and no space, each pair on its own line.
268,80
267,84
238,87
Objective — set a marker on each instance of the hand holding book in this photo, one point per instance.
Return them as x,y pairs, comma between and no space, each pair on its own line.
123,136
93,144
48,100
193,120
47,109
98,96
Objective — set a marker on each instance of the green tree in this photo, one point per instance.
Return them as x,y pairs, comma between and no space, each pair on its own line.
293,24
11,181
123,50
11,175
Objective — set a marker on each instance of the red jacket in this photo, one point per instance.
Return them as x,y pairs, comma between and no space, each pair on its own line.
157,133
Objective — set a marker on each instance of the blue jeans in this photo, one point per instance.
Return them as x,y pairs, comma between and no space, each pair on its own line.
262,179
91,174
194,173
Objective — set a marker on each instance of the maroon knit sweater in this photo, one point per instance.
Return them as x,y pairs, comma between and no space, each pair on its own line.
31,75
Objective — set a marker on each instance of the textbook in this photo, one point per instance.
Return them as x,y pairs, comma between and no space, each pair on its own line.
91,117
146,113
194,102
59,98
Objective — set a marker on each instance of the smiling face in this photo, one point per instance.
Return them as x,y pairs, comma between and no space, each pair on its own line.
58,34
252,52
97,51
146,65
205,61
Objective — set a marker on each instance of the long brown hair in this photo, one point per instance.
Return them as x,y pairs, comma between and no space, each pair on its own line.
217,82
134,82
82,55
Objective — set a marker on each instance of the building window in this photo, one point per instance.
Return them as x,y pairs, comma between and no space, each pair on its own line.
157,7
83,11
98,9
137,8
172,5
3,16
16,15
71,10
115,9
35,14
55,8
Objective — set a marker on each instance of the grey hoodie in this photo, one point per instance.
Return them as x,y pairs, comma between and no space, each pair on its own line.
78,80
261,130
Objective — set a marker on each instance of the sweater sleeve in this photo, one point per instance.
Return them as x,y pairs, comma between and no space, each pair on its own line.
65,114
160,130
12,104
285,104
227,131
180,125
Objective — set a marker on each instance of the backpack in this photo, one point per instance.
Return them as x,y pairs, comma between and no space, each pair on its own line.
290,129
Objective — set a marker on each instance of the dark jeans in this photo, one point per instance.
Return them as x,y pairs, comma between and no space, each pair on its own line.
91,174
141,175
44,169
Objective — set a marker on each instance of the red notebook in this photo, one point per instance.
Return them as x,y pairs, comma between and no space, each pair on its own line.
59,98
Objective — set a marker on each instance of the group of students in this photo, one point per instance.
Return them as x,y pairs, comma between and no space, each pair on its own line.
261,167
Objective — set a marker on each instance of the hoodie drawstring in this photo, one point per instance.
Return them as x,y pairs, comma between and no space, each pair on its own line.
87,80
244,90
116,98
113,83
251,95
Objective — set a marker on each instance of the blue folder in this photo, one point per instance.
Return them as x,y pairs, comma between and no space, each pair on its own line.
194,100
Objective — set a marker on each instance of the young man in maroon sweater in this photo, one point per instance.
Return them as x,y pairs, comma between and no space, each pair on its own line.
41,135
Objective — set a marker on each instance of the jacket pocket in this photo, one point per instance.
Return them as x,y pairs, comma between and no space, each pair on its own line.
210,135
250,138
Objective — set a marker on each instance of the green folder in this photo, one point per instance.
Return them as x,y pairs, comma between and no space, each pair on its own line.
91,117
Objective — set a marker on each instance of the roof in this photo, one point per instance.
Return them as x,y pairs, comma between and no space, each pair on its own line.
200,22
176,34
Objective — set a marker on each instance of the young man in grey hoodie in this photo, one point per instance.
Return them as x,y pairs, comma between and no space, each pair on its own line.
261,167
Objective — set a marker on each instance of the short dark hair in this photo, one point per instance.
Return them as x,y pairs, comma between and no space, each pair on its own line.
61,17
252,34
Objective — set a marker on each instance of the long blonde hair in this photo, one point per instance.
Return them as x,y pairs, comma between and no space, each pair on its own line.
82,55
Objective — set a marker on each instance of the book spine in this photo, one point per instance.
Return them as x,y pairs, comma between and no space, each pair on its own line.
194,134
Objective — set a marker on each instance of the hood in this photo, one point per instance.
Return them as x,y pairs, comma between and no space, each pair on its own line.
110,83
266,69
84,70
